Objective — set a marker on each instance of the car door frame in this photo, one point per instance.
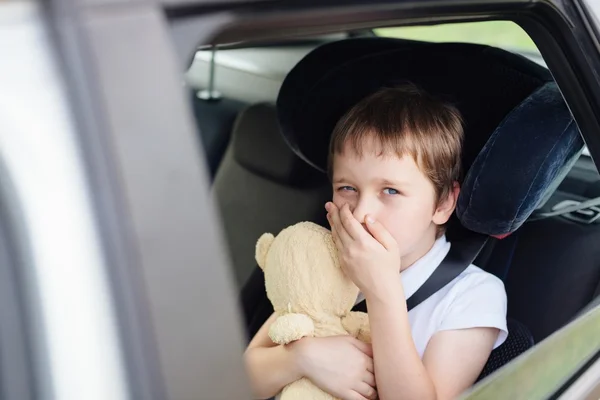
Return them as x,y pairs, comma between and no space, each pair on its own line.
121,62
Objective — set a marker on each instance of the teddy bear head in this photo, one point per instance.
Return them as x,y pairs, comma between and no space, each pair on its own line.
303,273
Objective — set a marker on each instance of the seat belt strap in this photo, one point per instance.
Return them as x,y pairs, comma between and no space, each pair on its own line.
461,255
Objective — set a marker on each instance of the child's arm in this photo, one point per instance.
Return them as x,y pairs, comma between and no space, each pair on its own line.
270,367
452,361
453,358
341,365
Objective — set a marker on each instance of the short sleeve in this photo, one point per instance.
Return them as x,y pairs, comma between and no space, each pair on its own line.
478,301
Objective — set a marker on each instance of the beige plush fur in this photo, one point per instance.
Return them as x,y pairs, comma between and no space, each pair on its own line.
310,293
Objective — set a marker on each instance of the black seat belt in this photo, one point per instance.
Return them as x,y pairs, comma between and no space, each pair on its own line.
462,254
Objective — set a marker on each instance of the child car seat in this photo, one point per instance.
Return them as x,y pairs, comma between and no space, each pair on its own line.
519,135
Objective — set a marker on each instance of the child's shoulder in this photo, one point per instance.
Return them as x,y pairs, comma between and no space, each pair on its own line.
476,285
475,299
474,274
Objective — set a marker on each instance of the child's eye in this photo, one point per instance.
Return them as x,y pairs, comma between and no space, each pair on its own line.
390,191
346,189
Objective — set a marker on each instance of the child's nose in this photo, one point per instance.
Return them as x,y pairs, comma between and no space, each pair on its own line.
360,214
364,207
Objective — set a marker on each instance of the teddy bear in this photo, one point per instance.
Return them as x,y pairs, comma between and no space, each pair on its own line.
310,293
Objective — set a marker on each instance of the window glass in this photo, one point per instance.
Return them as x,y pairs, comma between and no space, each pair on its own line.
504,34
542,371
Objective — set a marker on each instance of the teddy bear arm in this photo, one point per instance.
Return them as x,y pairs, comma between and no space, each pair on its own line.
290,327
357,325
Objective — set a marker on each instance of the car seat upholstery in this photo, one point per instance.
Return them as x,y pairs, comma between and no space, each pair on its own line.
551,271
215,120
262,186
520,138
520,341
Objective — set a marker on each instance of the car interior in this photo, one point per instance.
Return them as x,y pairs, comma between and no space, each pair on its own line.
265,111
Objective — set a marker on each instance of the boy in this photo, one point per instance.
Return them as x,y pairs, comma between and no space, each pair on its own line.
395,166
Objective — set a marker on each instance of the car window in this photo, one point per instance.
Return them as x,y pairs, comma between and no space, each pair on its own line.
549,366
503,34
238,73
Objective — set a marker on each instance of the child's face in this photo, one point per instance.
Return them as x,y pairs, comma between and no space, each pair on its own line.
395,192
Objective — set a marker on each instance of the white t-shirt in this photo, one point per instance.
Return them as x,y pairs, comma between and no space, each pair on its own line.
473,299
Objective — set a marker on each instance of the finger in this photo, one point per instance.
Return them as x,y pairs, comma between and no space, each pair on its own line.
363,392
366,391
381,234
366,348
351,224
354,395
336,238
334,216
328,207
369,379
371,366
334,232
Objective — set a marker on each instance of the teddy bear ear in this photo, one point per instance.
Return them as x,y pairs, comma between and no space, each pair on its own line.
262,248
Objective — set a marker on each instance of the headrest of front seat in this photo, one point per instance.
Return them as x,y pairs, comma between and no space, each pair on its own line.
259,147
519,134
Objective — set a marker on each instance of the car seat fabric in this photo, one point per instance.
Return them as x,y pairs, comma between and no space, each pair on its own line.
215,120
483,82
519,341
534,145
554,273
258,146
262,186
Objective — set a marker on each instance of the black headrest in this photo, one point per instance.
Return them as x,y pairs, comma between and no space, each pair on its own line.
502,97
258,146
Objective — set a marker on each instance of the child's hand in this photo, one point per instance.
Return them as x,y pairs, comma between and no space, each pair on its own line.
340,365
371,259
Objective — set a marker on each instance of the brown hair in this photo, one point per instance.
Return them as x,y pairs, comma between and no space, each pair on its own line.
407,120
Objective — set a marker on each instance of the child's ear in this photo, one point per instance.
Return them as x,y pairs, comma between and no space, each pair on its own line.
446,206
262,249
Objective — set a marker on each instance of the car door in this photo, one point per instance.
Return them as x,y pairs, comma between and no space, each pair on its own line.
121,282
565,365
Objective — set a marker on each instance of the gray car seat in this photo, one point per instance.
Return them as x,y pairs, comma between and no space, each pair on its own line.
214,120
262,186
